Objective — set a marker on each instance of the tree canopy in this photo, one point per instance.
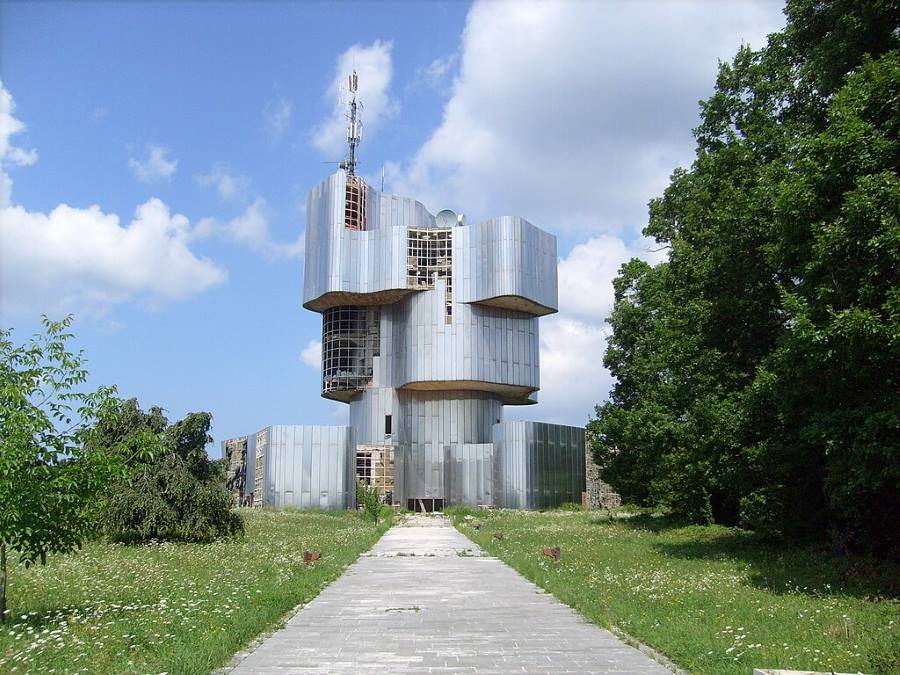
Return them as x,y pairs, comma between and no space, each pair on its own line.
758,368
175,492
50,474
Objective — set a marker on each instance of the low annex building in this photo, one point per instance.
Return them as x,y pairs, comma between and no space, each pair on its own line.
429,329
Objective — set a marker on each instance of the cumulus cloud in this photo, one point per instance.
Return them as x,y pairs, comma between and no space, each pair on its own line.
154,166
573,378
83,259
228,185
373,64
10,155
575,113
277,117
74,259
312,354
251,230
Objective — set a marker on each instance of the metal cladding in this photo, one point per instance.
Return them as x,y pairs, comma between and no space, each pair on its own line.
541,465
429,328
302,466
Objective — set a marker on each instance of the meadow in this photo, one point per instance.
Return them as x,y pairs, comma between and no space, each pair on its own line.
173,608
715,600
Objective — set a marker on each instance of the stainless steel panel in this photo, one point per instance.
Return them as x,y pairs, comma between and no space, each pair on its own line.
539,465
305,466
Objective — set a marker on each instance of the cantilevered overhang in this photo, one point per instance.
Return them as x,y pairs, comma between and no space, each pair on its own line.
341,298
512,394
517,303
508,263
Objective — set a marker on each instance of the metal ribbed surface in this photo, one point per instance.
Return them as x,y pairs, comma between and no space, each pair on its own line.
305,466
456,340
506,256
540,465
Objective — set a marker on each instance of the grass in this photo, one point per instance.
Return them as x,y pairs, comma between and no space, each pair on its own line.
175,608
713,599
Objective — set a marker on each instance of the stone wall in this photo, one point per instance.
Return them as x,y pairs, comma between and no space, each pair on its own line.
599,495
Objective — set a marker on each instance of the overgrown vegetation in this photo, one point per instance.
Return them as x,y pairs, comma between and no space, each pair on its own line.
174,607
758,368
172,491
715,600
369,498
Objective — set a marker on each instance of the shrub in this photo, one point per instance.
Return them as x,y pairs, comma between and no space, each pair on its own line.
172,493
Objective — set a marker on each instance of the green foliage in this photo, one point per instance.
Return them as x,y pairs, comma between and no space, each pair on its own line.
757,367
172,492
370,499
49,474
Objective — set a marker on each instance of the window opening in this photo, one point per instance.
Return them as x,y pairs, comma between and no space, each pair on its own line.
387,425
350,340
355,204
429,256
375,466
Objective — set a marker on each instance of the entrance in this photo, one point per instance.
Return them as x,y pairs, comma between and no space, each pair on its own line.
425,505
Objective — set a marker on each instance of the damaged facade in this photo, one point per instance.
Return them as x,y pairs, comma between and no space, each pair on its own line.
429,329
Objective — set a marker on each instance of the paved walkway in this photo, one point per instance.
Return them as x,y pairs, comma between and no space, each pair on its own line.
425,599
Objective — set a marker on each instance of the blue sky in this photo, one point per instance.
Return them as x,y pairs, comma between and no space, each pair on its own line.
160,155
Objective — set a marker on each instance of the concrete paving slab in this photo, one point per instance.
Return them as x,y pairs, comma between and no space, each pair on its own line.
425,599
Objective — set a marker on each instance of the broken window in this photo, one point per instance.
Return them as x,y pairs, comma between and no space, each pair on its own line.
355,204
429,256
350,339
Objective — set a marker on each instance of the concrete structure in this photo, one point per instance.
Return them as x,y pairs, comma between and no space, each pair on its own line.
441,606
429,328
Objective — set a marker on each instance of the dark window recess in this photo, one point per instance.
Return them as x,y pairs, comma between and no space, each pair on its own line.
387,425
423,505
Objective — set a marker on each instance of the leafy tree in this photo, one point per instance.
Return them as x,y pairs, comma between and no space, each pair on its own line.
49,474
175,492
757,367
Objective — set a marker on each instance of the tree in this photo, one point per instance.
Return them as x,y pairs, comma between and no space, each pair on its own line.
757,366
173,492
49,474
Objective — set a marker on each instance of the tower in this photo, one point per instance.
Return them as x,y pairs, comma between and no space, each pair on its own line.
429,329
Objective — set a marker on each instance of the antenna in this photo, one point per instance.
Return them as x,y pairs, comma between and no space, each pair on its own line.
354,126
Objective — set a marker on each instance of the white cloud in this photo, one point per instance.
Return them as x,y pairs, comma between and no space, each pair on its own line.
84,260
573,379
277,117
373,65
226,183
575,113
436,73
312,354
154,166
10,155
251,230
74,259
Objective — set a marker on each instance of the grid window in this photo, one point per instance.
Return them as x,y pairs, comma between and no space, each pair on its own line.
350,338
429,256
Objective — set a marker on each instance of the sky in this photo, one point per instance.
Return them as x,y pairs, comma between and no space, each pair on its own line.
155,159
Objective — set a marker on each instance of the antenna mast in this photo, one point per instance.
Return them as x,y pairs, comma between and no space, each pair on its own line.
354,126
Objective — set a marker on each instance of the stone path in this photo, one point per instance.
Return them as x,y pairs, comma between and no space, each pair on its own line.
425,599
